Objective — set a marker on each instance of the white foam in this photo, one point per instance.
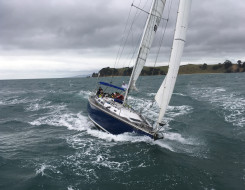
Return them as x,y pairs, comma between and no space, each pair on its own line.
44,167
10,92
164,145
174,111
151,110
14,101
129,138
243,175
125,137
69,120
179,94
154,94
151,94
97,152
59,115
85,93
171,141
1,102
70,188
41,170
36,106
177,137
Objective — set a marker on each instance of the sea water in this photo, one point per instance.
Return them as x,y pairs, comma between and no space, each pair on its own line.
48,142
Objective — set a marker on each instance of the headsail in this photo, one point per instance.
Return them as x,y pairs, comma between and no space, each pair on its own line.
164,93
151,26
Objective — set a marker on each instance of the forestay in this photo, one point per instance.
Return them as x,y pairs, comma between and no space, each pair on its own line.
164,94
151,26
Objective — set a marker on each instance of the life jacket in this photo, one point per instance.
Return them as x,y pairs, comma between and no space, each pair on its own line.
120,97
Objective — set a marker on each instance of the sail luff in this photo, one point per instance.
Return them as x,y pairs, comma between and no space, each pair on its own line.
164,93
151,26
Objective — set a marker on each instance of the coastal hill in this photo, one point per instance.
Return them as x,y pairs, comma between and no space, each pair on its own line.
226,67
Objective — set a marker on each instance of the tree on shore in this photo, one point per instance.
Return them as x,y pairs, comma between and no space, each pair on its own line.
239,62
204,66
95,75
215,67
127,71
227,64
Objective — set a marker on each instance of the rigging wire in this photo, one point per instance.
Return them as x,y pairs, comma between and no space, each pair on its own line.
138,13
127,21
163,35
124,41
158,51
125,38
140,78
137,45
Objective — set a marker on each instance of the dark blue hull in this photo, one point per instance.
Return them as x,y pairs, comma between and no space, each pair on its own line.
111,124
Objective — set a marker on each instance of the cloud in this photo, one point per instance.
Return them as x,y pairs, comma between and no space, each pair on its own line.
58,24
216,29
54,33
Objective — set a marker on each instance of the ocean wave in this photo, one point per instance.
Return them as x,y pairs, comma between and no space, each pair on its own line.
154,94
166,143
49,168
243,175
93,154
178,138
87,157
85,93
59,115
151,110
70,188
174,111
69,120
179,94
36,106
232,105
151,94
11,92
173,141
15,101
99,153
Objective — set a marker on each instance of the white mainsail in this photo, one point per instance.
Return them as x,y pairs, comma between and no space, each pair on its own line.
164,93
151,26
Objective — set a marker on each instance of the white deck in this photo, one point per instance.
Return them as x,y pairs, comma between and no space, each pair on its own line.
119,109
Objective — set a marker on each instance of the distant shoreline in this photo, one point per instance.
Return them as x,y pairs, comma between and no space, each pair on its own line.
226,67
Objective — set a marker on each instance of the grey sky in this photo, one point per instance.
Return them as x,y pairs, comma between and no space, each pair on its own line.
56,38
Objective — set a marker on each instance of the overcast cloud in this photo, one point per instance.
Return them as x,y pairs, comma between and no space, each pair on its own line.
61,38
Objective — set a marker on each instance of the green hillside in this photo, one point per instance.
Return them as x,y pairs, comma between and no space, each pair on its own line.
226,67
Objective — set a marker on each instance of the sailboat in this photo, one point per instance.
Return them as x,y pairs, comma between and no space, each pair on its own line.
113,114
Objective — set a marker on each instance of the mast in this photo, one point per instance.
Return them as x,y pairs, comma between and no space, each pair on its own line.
164,93
151,26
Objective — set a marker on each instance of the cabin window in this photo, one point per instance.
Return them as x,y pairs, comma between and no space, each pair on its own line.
136,120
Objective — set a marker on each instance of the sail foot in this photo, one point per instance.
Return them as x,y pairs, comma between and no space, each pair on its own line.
133,86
